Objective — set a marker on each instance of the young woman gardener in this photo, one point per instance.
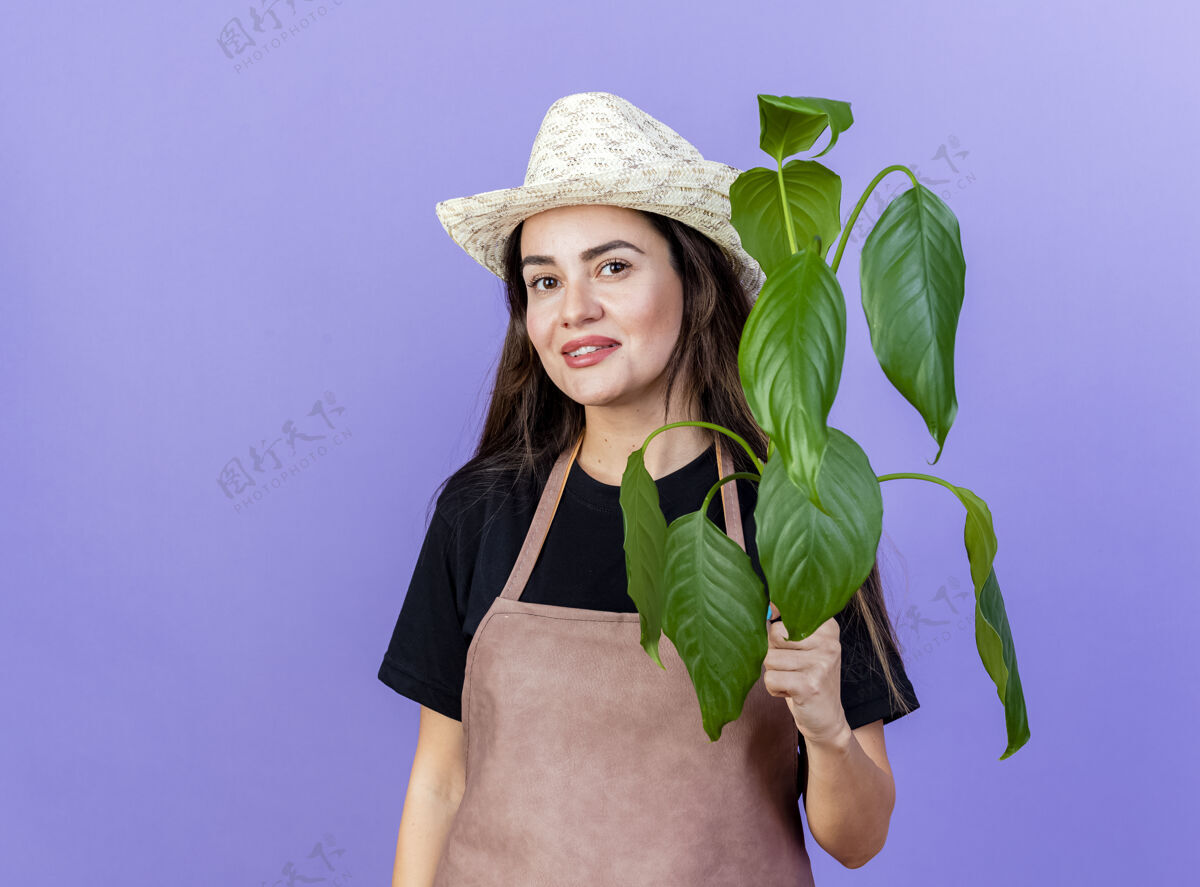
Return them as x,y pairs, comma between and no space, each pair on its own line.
551,748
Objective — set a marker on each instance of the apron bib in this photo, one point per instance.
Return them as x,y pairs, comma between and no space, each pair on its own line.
587,764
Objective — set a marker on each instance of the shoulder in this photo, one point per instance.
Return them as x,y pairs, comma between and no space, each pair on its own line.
474,497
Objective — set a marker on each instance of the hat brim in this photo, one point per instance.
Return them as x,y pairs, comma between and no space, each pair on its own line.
695,193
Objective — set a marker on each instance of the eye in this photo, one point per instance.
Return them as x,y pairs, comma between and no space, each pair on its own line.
623,265
533,284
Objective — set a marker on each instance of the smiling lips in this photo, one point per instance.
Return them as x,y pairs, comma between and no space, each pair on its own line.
598,348
576,344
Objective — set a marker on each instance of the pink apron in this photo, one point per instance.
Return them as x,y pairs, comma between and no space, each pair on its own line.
586,764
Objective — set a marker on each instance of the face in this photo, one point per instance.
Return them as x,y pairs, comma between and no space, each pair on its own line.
605,272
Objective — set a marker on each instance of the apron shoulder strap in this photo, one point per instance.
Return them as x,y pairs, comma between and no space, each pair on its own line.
552,493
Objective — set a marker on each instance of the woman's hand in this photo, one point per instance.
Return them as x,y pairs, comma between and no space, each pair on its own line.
808,674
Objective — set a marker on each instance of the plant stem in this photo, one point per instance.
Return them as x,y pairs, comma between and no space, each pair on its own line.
914,476
787,210
723,430
748,475
837,257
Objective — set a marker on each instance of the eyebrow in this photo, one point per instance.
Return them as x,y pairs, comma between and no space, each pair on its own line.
587,255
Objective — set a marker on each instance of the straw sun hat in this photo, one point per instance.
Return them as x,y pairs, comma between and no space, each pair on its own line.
597,148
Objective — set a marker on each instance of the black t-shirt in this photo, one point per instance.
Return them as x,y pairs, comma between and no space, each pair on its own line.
470,548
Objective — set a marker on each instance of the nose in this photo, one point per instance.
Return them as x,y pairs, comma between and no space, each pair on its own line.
579,303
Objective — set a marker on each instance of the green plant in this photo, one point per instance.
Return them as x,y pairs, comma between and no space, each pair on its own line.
819,513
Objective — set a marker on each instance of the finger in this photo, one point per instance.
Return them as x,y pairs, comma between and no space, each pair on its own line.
830,627
789,660
773,612
777,684
777,636
788,685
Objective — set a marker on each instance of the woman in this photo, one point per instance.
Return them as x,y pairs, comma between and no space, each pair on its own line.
551,748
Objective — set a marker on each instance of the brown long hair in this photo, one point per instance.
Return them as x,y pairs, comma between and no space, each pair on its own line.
529,420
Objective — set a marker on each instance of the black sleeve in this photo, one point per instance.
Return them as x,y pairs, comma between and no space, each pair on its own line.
865,695
427,656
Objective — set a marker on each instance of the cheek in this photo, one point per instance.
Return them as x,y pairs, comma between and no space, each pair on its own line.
538,328
666,321
541,334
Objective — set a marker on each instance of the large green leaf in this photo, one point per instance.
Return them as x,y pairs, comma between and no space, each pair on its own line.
814,562
913,276
790,361
814,195
714,617
993,637
645,530
788,124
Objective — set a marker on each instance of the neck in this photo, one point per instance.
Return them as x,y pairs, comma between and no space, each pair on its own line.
612,433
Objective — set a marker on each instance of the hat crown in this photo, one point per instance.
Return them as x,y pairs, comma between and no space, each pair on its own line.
592,133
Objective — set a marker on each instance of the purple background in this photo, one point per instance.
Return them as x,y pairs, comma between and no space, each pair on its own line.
195,249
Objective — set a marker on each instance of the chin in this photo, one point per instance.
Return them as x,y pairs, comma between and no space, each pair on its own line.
595,393
593,400
590,397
